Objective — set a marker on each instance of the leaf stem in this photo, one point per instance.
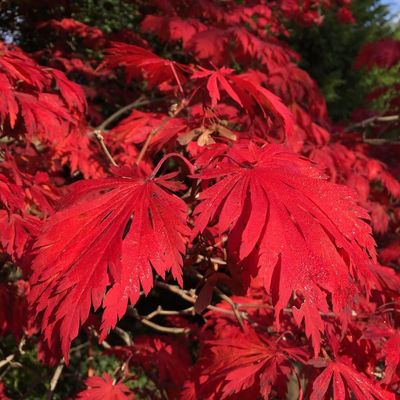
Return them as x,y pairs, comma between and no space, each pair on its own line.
173,114
100,139
97,132
139,102
55,379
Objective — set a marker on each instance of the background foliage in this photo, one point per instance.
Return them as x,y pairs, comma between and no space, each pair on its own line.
360,150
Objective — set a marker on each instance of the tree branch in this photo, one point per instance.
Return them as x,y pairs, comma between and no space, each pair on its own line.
233,305
372,120
153,325
98,131
191,298
103,146
125,336
55,379
139,102
161,311
172,114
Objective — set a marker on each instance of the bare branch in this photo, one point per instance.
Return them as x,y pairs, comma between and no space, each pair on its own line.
55,379
7,360
161,311
157,327
191,298
139,102
125,336
98,131
233,305
100,139
371,121
173,113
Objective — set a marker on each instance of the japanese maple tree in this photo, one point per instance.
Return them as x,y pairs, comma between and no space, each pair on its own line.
175,196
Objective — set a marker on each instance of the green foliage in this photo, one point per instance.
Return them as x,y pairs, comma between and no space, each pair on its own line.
385,79
328,53
18,19
26,378
108,15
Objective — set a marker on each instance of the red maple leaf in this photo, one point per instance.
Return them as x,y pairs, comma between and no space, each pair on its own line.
383,53
107,232
211,45
288,224
246,94
29,97
135,59
71,92
44,115
391,253
166,359
386,336
13,304
138,126
243,365
16,231
92,36
103,388
391,353
172,28
3,395
16,225
19,67
346,380
8,104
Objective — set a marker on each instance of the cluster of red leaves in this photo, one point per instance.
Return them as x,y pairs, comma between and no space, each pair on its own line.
230,175
384,53
103,388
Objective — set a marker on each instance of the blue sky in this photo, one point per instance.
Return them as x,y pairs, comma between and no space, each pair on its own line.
393,4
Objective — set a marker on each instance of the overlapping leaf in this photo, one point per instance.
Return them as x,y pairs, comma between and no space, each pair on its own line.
253,98
28,96
241,365
107,232
299,232
103,388
384,53
135,59
345,380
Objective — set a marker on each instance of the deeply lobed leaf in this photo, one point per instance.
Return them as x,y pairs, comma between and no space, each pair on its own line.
106,232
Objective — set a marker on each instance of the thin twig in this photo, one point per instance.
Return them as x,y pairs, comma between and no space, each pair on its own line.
55,379
79,347
100,139
380,141
185,295
233,305
139,102
98,131
7,360
173,113
10,358
104,343
157,327
175,289
21,345
161,311
218,261
372,120
125,336
223,296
